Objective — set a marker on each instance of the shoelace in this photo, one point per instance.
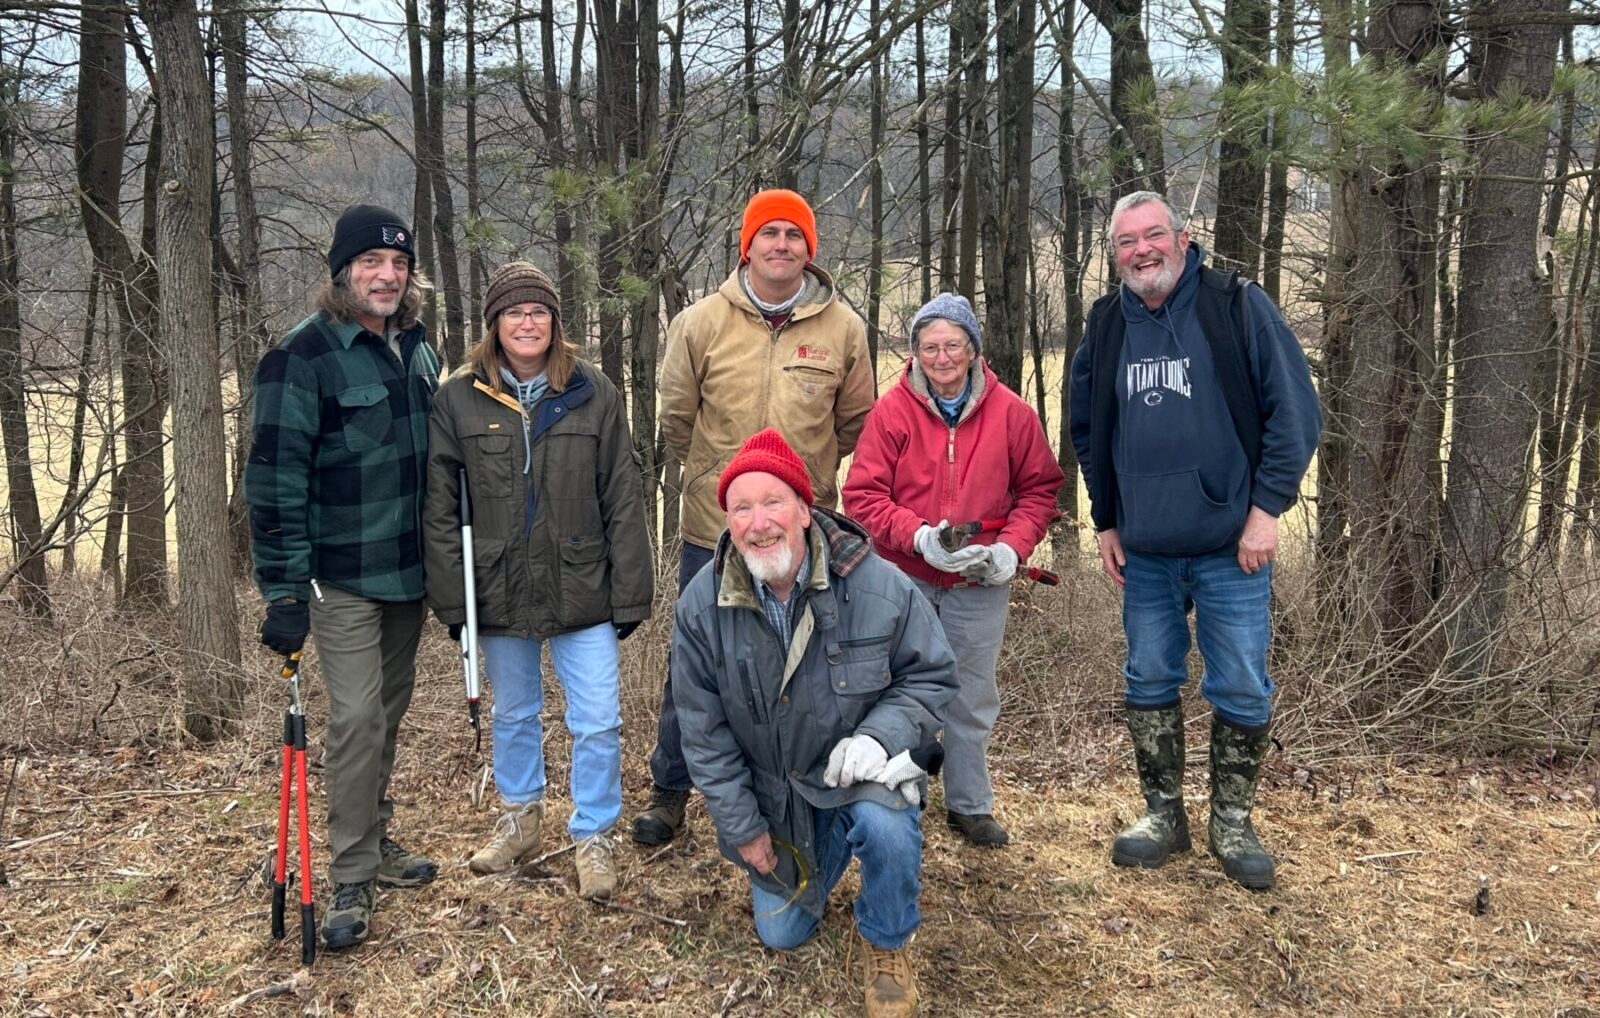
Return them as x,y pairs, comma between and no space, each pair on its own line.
597,853
883,962
349,896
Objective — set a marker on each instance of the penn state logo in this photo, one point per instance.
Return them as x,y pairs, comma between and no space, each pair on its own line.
393,236
1152,398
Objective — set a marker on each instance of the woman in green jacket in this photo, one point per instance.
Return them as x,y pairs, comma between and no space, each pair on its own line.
560,551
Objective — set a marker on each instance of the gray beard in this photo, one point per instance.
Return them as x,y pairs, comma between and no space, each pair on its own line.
1161,283
771,565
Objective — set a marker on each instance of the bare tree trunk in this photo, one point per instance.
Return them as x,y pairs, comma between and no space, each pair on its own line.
1278,174
207,616
924,171
422,190
616,49
1136,154
976,168
476,275
1557,379
795,107
948,234
752,97
647,262
1006,276
1241,166
1395,386
444,207
27,544
252,339
1505,319
80,411
1074,199
875,185
100,144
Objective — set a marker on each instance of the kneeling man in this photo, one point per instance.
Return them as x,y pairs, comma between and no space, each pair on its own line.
807,672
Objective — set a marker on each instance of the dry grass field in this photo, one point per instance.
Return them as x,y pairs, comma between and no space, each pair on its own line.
135,866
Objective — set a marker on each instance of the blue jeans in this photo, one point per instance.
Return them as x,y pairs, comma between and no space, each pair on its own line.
668,769
586,664
889,844
1233,625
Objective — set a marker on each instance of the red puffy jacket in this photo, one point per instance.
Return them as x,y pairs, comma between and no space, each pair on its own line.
911,468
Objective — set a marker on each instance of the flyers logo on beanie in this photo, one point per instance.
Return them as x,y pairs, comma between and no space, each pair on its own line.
393,236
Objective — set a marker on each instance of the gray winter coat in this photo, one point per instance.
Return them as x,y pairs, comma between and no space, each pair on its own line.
759,720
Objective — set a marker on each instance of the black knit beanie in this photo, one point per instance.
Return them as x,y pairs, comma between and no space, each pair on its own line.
364,227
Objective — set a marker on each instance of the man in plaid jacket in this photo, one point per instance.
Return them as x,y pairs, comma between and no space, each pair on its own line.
335,483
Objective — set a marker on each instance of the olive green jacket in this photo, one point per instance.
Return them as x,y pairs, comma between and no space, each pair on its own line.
559,537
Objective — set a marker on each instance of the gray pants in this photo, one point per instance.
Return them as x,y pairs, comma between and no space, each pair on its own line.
974,620
368,653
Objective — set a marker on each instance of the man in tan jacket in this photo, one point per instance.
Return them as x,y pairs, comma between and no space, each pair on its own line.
773,346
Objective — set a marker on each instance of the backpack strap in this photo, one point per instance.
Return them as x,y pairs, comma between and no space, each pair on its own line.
1224,314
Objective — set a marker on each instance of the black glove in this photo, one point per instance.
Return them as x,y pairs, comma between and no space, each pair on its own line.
454,628
286,625
625,630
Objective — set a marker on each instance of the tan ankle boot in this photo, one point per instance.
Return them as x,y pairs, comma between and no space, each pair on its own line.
889,989
597,874
516,834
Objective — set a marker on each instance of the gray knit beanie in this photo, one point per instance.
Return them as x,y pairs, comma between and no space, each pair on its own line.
519,283
952,308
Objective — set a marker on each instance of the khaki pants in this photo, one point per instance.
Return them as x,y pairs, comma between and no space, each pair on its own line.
974,621
368,653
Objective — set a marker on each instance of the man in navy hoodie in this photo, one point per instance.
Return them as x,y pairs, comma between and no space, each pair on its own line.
1194,418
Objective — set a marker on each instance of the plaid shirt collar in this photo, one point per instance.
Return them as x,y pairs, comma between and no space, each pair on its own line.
781,613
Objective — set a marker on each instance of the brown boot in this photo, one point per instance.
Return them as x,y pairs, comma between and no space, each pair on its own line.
516,834
662,820
889,989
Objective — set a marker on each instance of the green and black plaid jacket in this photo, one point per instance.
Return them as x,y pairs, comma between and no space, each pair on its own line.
339,461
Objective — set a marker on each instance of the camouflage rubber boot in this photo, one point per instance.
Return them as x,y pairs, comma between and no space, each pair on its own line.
1236,755
1158,754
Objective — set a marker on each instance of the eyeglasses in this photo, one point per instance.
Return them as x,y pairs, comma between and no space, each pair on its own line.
930,351
516,315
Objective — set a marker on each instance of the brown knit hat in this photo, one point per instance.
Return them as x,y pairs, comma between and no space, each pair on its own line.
519,283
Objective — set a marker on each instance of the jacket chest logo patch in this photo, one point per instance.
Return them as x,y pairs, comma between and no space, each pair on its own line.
814,354
494,425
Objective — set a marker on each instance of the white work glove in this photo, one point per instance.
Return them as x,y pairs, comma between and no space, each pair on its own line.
933,553
855,758
1002,565
903,776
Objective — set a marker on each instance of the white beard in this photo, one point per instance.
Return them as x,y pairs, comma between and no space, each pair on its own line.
769,564
1159,282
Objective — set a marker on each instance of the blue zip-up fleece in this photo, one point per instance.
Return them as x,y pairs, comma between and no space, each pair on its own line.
1184,483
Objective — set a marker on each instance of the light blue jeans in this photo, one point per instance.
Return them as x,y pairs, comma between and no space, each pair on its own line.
889,844
1232,623
586,664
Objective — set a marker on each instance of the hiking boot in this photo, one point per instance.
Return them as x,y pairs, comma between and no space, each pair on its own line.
597,877
1158,756
1236,755
981,829
348,918
516,834
889,990
659,823
398,867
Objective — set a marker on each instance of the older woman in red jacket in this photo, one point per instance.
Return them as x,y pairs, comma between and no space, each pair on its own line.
951,445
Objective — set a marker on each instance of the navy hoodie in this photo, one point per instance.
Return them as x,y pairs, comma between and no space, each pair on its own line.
1184,483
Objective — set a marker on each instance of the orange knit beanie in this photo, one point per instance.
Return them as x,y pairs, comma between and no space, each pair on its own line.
765,206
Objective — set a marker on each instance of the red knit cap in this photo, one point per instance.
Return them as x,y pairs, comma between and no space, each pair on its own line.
766,452
765,206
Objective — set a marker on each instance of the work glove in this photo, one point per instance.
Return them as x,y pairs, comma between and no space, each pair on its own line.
1002,565
902,775
625,630
933,553
454,629
287,622
855,758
